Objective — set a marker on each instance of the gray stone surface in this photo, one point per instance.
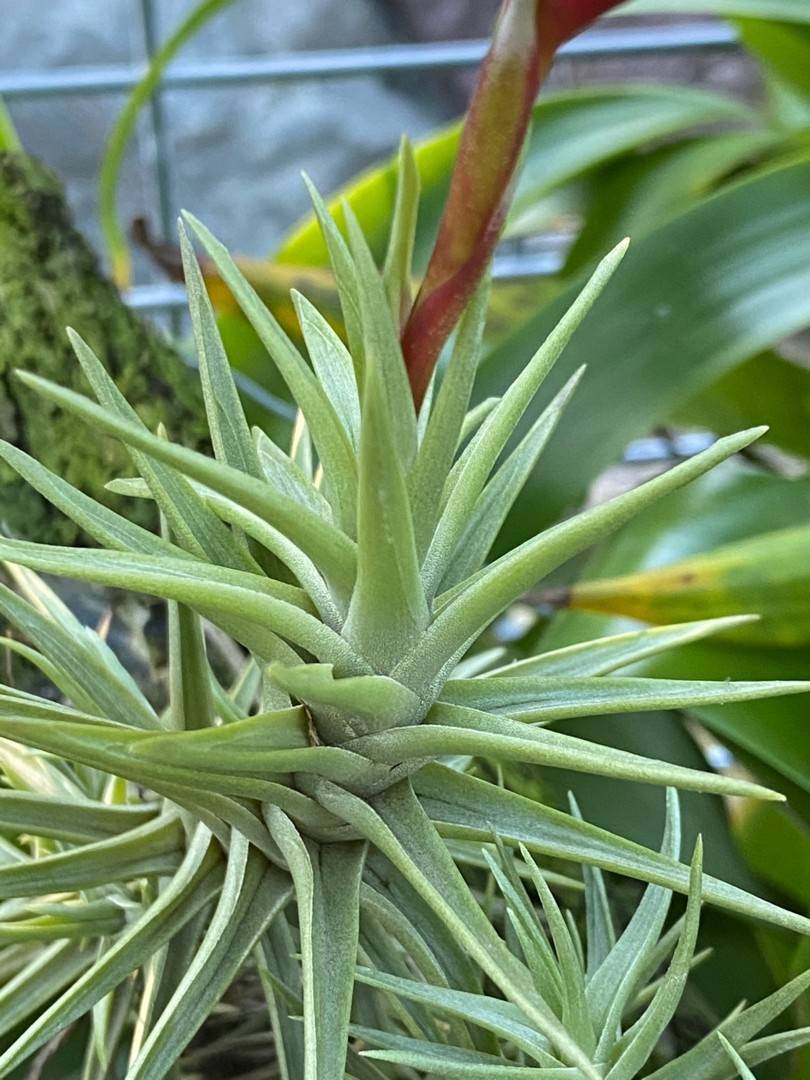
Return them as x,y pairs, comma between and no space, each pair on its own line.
237,151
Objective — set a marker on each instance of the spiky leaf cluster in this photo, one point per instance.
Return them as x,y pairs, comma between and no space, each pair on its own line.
320,800
616,994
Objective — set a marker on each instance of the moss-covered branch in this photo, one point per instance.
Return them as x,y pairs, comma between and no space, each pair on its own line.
49,279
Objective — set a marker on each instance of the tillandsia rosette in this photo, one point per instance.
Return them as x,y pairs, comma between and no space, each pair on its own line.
325,800
326,807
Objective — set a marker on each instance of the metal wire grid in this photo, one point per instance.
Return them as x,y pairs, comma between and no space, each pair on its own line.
606,40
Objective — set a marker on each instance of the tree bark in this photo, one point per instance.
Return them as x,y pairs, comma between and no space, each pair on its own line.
50,279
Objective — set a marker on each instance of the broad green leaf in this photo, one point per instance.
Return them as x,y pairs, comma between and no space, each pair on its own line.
465,808
773,390
731,506
637,193
571,133
787,10
729,278
767,574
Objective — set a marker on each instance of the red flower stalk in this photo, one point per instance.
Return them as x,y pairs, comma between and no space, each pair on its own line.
526,37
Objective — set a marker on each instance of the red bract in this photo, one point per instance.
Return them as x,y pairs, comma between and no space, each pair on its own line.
526,36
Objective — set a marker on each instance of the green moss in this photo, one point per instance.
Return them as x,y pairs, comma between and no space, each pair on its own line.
50,279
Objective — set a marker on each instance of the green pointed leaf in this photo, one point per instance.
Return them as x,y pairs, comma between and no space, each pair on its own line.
380,701
251,894
543,699
153,848
332,363
452,729
197,879
330,439
327,882
465,808
230,434
399,256
248,604
735,1059
329,548
486,595
497,498
449,422
605,655
395,823
74,820
499,426
388,609
104,685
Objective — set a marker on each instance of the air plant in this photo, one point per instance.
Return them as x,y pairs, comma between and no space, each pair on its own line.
328,793
618,992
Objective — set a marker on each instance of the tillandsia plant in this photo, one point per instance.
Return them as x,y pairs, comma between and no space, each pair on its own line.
606,988
327,801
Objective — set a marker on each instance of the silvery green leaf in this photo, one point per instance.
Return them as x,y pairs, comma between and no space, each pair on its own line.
327,882
197,879
605,655
332,363
327,432
399,255
499,494
230,434
463,807
491,438
487,594
445,426
327,546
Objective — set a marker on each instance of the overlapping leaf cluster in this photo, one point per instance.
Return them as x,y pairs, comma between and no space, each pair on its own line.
606,989
325,800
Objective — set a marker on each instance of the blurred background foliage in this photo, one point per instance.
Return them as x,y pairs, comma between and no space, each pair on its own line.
702,330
